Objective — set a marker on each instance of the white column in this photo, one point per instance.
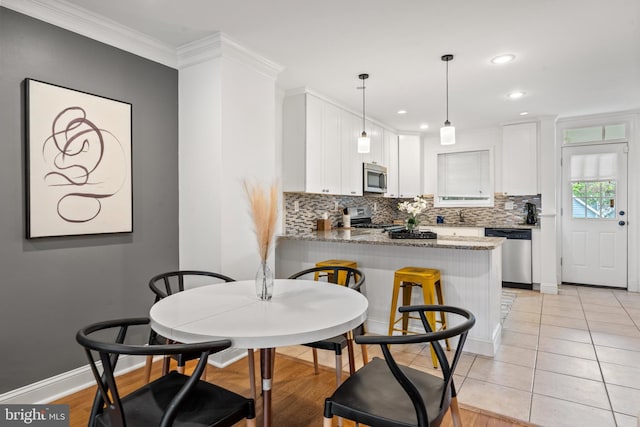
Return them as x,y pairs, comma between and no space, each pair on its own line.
227,100
549,183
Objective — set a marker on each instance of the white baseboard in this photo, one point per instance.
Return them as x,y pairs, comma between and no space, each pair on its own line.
56,387
59,386
549,288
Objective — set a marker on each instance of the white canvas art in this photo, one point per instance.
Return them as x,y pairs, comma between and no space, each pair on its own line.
78,162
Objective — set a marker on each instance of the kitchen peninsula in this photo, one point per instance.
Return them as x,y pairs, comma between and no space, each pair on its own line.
470,267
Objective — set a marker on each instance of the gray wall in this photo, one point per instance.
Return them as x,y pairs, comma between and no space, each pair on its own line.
51,287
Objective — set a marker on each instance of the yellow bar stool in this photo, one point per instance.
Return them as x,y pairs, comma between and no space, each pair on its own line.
406,279
342,276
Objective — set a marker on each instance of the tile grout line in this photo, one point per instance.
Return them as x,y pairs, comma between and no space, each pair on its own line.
606,389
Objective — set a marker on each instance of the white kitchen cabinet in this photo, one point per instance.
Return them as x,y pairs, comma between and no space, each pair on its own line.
409,166
311,145
351,160
390,160
375,154
520,159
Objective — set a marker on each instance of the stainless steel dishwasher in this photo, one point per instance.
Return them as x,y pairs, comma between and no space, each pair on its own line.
516,256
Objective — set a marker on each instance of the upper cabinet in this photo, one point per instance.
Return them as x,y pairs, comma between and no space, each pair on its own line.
351,160
375,133
409,166
319,147
390,160
520,159
311,145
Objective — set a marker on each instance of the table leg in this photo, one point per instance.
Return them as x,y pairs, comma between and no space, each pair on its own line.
266,365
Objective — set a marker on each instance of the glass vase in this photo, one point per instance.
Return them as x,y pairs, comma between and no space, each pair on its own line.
264,282
412,223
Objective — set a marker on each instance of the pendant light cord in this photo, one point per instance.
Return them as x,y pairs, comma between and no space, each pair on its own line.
447,79
363,104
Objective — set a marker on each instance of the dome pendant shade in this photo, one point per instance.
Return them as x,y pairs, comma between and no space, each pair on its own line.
364,142
447,132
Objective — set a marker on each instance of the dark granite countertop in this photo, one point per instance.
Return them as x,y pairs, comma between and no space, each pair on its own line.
377,237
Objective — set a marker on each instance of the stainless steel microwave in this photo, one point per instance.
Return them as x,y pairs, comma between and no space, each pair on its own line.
374,178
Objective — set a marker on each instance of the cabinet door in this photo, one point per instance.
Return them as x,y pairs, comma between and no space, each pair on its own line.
375,155
390,160
331,154
350,125
409,162
520,159
314,153
323,147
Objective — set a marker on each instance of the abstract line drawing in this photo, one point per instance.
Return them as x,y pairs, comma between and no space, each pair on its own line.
79,162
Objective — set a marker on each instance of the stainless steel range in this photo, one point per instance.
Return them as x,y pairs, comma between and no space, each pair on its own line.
361,217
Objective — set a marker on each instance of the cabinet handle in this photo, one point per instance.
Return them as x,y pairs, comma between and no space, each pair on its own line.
353,192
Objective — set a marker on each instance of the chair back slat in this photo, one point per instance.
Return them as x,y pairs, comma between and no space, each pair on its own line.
98,348
432,338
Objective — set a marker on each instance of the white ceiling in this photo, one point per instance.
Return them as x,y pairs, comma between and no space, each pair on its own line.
574,57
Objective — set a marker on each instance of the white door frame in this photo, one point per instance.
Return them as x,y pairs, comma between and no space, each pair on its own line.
588,268
632,120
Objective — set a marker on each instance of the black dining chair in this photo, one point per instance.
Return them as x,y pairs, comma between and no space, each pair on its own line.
174,399
165,284
385,394
345,276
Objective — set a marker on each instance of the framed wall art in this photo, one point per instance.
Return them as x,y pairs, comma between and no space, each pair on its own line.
78,162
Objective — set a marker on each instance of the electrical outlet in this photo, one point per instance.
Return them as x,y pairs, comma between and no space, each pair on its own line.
296,206
508,206
335,206
375,206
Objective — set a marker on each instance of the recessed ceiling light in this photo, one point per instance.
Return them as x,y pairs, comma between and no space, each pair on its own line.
503,59
402,111
516,95
424,126
524,113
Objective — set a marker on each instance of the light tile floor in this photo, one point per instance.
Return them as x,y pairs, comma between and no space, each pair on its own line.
571,359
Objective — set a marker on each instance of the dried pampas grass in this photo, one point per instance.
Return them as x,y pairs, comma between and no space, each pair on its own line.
264,210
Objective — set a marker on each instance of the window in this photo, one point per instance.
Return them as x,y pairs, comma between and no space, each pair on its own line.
593,184
464,179
593,199
595,133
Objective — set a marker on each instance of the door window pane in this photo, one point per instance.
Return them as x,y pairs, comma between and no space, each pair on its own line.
593,199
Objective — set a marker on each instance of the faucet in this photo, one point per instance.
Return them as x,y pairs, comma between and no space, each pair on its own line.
461,215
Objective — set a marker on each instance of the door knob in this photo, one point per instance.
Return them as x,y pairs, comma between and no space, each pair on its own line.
622,213
621,223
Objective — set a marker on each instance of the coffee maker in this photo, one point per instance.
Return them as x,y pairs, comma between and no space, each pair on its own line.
532,213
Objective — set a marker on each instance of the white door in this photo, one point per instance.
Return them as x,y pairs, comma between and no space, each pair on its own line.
594,215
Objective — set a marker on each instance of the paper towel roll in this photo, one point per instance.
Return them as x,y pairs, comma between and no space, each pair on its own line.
346,221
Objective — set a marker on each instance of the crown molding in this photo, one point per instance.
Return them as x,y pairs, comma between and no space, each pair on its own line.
220,45
81,21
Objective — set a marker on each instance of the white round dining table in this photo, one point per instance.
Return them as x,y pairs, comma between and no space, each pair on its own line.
300,311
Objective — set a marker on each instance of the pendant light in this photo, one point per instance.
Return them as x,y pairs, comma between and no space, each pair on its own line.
447,132
364,142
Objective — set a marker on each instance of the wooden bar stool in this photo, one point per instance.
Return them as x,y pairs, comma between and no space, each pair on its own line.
342,276
429,280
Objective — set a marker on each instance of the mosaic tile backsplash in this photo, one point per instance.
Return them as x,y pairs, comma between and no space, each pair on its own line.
311,207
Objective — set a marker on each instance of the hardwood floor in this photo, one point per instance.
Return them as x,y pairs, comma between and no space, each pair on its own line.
298,395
